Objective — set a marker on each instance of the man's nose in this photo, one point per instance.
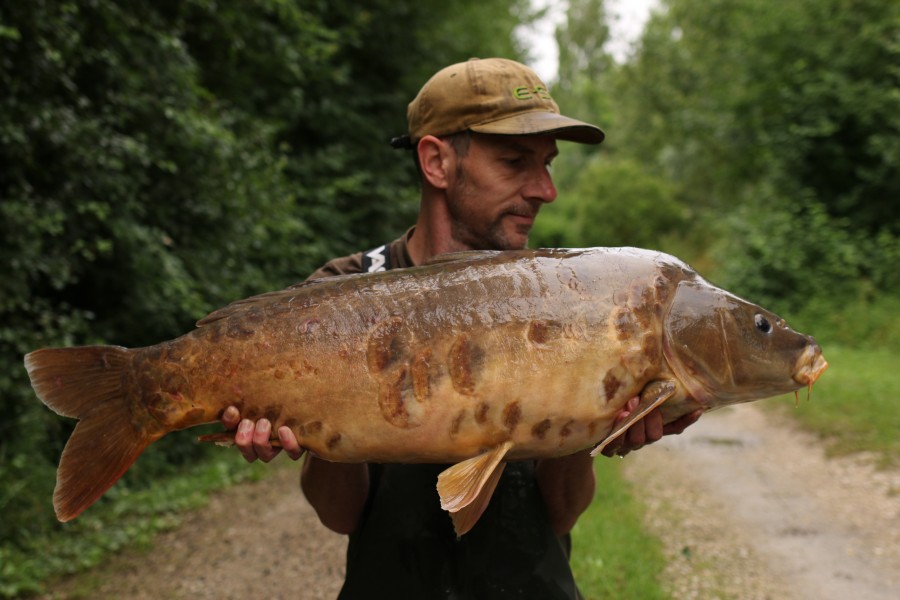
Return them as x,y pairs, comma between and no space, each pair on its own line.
540,186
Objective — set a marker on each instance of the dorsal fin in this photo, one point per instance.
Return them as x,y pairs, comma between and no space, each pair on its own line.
295,291
290,294
245,304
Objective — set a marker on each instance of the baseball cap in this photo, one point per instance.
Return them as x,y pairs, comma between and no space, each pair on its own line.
492,95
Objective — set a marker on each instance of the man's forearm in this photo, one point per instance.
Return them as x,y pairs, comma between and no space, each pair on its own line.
337,491
567,485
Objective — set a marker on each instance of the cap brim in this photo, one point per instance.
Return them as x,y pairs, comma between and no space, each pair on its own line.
543,123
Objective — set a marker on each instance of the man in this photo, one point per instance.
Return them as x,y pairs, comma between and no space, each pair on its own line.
483,134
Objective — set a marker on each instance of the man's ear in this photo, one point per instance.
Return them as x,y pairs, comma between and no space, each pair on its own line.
437,161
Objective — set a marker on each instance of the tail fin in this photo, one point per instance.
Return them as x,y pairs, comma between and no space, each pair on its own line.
86,383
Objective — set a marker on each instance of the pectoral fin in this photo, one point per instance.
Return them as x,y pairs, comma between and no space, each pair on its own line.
466,488
654,394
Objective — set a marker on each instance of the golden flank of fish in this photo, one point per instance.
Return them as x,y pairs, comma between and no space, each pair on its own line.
474,359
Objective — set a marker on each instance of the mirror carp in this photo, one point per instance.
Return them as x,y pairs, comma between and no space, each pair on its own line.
475,358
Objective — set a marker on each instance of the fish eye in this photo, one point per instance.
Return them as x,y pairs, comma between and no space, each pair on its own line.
763,324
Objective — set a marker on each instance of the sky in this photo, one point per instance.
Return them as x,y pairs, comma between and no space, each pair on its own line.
628,21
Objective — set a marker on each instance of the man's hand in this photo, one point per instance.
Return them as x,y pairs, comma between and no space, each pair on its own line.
337,491
646,431
253,439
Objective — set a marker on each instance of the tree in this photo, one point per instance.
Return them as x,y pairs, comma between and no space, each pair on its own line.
583,77
776,108
605,197
759,89
162,159
614,202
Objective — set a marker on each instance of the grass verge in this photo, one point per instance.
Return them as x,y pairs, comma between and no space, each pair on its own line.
128,518
854,405
613,558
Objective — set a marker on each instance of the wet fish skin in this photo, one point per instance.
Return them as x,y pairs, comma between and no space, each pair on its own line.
474,359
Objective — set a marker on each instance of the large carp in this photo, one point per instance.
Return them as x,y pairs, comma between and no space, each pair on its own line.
475,359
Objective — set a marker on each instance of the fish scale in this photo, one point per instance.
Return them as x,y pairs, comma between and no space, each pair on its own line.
475,359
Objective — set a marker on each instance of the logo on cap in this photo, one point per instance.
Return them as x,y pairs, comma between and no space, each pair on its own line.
527,93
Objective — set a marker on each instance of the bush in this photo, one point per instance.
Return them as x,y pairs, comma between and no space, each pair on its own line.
795,259
613,203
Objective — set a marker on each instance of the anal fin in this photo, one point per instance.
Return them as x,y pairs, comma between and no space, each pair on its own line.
654,394
466,488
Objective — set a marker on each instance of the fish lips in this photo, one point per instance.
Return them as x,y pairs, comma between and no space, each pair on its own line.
810,365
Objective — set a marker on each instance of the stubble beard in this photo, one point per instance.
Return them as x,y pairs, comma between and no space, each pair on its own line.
478,236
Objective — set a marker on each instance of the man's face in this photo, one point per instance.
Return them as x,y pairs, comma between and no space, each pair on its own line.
498,189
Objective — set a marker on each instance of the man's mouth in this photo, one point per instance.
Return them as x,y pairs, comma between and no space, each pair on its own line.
522,218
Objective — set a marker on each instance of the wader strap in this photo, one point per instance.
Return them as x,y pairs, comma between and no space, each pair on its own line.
377,259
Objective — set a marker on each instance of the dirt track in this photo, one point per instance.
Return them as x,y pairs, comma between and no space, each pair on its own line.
747,507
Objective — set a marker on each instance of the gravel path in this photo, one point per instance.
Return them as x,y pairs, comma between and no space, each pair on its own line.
256,540
747,508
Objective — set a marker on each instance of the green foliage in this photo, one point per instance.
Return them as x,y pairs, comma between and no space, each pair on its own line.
131,520
867,321
854,404
770,129
351,183
581,88
612,556
774,130
612,203
131,207
729,92
162,159
795,247
837,283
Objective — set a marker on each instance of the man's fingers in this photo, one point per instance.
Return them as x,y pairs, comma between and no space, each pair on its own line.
616,445
631,406
289,442
636,436
262,443
243,439
653,426
679,425
231,418
262,432
612,448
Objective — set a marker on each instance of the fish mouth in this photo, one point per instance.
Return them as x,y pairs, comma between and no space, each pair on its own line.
810,366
